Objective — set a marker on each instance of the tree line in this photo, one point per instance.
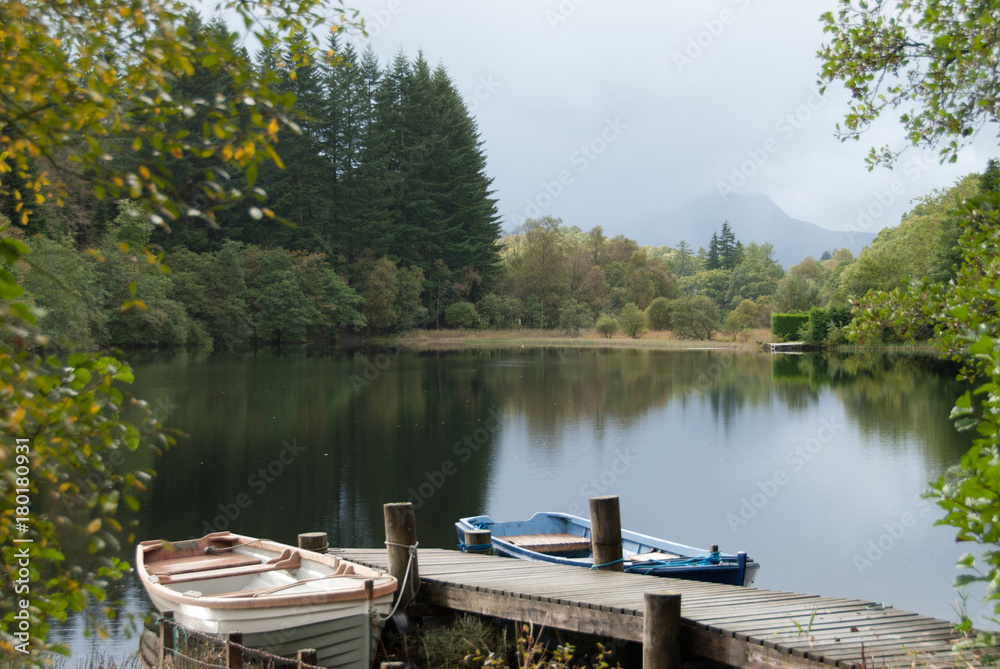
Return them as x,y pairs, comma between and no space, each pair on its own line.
381,185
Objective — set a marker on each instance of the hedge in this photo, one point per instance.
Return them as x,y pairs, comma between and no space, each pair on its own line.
786,326
821,320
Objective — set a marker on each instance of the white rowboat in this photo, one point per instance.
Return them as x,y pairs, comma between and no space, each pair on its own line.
281,598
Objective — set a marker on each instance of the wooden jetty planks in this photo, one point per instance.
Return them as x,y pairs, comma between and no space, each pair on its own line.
745,627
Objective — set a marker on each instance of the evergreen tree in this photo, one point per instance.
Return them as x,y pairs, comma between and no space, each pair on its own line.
713,259
728,248
683,258
470,224
300,193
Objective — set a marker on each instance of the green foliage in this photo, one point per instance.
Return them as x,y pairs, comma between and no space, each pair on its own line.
461,315
757,274
932,57
607,325
541,266
796,292
633,321
380,292
824,321
92,56
412,312
965,314
694,316
65,449
534,317
64,284
574,317
787,327
658,314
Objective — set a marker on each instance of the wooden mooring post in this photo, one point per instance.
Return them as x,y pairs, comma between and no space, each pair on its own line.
306,656
166,637
661,631
313,541
234,653
606,533
479,541
400,542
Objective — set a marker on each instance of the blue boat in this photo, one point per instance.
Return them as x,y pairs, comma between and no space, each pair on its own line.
561,538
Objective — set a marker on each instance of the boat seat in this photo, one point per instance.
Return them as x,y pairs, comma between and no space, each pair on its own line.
183,565
289,559
555,542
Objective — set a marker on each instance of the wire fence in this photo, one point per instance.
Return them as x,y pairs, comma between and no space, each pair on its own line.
167,644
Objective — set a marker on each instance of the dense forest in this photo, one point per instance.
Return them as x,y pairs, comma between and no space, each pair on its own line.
383,221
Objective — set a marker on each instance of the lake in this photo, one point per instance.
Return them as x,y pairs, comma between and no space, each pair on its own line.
812,464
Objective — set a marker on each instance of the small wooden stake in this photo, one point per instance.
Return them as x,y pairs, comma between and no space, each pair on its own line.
166,636
400,535
234,654
661,626
306,656
313,541
479,541
606,532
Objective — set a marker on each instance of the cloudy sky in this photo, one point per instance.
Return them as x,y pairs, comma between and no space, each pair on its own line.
600,114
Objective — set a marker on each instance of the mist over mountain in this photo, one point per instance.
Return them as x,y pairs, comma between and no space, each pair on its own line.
753,218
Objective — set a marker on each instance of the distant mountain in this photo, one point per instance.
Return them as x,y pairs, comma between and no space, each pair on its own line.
753,218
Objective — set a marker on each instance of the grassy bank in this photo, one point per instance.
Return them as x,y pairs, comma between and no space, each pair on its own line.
448,340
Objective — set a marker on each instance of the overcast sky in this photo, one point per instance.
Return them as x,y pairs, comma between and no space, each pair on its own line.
599,113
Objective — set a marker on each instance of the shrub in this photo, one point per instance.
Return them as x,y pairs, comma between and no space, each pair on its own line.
824,321
461,315
658,314
785,327
633,321
607,325
573,317
694,316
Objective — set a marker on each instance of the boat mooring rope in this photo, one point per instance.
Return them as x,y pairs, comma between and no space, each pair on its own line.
406,577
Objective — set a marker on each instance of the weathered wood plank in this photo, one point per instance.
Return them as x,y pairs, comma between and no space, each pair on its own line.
743,627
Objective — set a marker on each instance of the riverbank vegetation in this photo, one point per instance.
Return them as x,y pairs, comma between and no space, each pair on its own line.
545,276
385,224
932,59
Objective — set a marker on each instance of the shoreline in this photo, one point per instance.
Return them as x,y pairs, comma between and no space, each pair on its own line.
446,340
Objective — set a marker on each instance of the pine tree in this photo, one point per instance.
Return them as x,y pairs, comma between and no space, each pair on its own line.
470,225
684,258
712,261
728,247
299,193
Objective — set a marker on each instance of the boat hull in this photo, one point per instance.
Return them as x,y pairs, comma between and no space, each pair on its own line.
727,569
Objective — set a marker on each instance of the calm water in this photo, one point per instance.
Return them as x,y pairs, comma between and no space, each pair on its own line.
813,465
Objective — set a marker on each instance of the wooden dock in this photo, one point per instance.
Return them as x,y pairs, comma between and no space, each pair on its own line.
741,627
787,347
